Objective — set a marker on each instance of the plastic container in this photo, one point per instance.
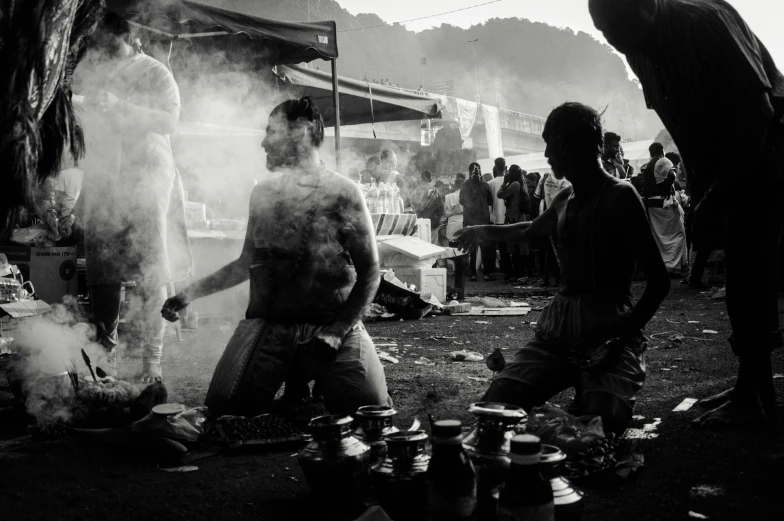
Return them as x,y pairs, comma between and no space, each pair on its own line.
429,281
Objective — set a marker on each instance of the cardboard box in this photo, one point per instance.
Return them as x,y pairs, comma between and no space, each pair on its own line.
12,313
51,270
429,281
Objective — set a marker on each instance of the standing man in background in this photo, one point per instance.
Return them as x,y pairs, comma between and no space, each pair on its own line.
388,166
429,204
694,57
476,200
499,214
664,212
611,155
133,197
453,214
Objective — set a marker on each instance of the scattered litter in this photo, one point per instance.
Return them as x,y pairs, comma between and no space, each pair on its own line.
778,376
533,323
666,369
677,338
387,357
480,322
457,343
697,515
709,332
491,302
674,321
375,513
685,405
638,417
295,480
466,356
477,379
706,491
386,345
519,305
646,433
694,321
184,468
424,361
496,312
406,345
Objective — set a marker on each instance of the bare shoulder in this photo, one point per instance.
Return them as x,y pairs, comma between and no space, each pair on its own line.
622,193
340,185
562,196
341,192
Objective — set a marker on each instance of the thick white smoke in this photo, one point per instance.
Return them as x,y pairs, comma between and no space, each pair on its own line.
49,345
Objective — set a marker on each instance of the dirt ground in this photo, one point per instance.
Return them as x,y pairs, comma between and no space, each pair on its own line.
724,476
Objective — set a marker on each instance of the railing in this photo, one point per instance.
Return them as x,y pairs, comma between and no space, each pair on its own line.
519,122
510,119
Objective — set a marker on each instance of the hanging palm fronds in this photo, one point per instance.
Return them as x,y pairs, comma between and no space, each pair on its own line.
41,42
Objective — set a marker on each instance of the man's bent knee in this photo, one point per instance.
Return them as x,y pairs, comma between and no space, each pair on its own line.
509,391
616,413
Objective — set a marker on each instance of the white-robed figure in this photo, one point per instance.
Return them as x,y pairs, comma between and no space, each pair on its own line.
134,216
664,212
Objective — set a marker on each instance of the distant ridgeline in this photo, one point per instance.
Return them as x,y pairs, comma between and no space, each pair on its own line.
539,66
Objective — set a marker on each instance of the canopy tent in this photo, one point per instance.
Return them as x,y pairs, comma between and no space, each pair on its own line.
360,101
276,41
280,42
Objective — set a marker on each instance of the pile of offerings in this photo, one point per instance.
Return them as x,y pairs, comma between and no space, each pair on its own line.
265,430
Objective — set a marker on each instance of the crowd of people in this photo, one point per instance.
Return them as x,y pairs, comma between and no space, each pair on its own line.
510,195
385,82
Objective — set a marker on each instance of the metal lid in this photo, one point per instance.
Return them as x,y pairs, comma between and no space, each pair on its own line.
447,428
375,411
526,445
330,420
498,410
168,409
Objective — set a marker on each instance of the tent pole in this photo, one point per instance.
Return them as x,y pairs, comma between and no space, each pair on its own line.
336,105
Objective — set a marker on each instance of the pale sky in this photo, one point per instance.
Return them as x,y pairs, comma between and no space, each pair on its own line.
765,17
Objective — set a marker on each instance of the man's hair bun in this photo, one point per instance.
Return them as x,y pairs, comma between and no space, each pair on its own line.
304,108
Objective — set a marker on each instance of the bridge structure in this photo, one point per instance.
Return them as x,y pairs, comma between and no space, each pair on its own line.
520,133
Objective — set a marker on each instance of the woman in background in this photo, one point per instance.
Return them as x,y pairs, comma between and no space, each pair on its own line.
518,209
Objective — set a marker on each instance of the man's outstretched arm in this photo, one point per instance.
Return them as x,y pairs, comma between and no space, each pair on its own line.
544,226
637,233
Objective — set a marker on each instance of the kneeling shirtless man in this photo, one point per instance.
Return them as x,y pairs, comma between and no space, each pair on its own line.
591,335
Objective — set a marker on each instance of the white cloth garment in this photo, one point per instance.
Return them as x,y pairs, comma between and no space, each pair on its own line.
462,111
495,145
499,205
670,235
454,211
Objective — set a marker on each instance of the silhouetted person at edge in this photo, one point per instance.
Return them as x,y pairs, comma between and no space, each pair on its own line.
590,336
721,97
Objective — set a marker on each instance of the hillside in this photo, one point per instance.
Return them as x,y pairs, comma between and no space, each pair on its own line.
539,65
